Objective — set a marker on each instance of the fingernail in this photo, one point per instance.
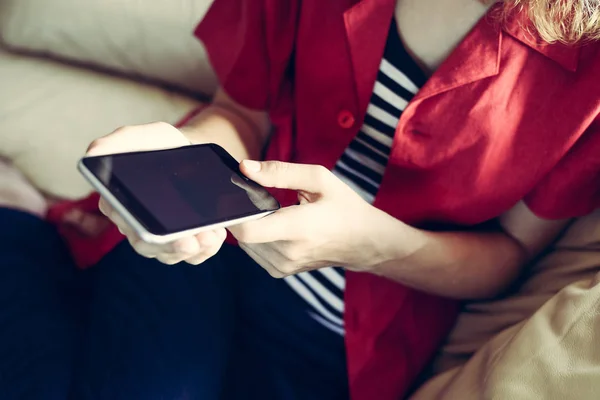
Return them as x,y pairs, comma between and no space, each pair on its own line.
251,166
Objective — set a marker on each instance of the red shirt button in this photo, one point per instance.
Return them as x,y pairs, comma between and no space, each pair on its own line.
346,119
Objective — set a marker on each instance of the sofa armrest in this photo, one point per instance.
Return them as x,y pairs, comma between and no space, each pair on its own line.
150,39
50,112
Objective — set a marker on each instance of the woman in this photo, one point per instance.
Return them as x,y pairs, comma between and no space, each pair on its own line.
430,148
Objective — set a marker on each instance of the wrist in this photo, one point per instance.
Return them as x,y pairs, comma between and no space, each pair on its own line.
395,242
227,129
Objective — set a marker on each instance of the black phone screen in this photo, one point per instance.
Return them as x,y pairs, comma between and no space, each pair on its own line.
173,190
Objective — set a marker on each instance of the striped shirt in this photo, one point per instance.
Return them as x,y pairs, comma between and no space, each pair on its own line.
361,167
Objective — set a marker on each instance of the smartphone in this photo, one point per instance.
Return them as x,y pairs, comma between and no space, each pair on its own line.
168,194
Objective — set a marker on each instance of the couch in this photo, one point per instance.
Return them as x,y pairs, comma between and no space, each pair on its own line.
73,70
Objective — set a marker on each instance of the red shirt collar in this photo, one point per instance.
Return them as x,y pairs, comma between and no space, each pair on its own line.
478,57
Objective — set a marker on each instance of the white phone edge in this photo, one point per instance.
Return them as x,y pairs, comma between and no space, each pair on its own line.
139,229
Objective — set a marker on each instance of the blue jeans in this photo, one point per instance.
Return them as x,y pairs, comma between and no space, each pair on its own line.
132,328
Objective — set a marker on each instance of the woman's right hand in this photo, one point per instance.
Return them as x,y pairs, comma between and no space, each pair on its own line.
193,249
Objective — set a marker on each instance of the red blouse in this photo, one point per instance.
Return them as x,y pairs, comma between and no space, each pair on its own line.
504,118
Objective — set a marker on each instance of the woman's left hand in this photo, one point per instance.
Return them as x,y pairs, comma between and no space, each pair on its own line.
331,226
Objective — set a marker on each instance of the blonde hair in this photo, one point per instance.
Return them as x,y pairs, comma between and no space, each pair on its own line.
566,21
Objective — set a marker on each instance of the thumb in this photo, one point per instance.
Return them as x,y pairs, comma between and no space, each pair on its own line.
282,175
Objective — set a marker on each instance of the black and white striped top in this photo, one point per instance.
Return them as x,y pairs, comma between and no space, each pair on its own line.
361,167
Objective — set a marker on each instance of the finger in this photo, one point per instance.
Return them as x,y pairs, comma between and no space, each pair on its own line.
211,243
123,227
203,256
117,141
239,182
142,248
86,223
93,224
266,265
99,147
199,258
277,256
209,239
104,207
156,135
193,255
285,224
186,247
196,249
169,259
221,234
258,195
277,174
120,223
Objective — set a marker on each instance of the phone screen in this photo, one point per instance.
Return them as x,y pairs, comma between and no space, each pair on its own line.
169,191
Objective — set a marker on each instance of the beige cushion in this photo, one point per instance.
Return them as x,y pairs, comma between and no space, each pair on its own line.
50,112
522,351
152,39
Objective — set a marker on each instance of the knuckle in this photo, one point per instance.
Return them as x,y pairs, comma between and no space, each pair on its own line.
275,273
294,253
204,255
321,174
139,247
103,206
95,144
122,230
242,233
222,234
185,246
276,166
101,141
196,260
135,245
320,170
288,268
160,125
272,272
149,256
125,129
168,260
217,238
214,249
118,221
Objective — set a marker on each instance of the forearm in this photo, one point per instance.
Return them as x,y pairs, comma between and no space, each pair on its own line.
242,132
464,265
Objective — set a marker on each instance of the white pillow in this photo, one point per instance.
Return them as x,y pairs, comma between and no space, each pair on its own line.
50,112
152,39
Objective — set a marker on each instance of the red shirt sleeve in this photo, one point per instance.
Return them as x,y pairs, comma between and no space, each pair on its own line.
250,45
572,188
